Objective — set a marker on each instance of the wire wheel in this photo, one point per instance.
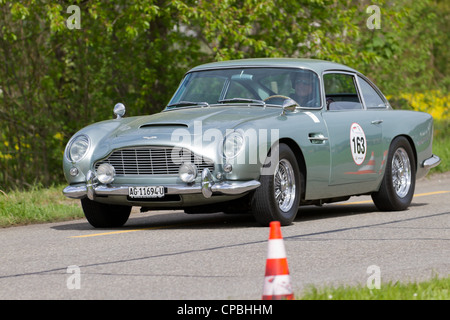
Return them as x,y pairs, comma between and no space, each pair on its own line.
401,172
398,184
284,185
278,197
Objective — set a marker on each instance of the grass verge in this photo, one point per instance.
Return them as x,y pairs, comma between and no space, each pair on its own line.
36,206
434,289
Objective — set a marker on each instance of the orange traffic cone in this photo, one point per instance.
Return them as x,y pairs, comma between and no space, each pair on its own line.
277,282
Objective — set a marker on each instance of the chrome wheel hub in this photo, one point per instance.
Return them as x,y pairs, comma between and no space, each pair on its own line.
284,185
401,172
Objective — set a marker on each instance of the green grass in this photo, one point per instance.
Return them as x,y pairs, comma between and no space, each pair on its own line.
36,206
434,289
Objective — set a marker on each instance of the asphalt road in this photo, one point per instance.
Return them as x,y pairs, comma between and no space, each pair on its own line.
172,255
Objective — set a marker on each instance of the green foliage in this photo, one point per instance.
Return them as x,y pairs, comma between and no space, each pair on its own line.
55,80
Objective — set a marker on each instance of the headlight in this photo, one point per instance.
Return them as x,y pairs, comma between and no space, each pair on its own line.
78,148
233,145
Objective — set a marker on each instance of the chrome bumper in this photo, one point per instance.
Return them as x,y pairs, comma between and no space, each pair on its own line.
431,162
207,188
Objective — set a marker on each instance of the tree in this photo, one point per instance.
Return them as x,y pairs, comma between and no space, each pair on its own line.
55,79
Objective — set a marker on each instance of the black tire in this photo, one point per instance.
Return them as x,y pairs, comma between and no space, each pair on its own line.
264,204
101,215
398,184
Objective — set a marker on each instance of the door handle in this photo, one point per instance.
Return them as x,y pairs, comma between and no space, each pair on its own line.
377,122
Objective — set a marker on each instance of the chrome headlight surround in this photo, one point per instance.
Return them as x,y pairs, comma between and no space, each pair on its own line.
233,144
188,172
78,148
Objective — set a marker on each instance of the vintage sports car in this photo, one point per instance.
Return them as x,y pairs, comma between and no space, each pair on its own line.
258,135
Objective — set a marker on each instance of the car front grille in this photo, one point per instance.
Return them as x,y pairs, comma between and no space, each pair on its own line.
153,161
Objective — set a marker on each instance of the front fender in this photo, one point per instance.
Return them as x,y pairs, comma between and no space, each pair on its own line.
98,147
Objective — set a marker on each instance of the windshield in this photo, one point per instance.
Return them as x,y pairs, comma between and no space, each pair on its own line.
271,86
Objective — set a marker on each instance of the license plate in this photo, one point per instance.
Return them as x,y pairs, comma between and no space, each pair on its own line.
146,192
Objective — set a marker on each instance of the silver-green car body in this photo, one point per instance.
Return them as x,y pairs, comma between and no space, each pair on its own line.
227,118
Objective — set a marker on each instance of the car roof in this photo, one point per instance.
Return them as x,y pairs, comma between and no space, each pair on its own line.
316,65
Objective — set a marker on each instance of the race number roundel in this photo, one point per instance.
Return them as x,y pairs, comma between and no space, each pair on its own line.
358,143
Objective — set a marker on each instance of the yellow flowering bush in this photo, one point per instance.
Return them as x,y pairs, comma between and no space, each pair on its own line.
434,102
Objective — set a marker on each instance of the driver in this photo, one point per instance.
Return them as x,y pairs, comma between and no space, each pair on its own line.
303,85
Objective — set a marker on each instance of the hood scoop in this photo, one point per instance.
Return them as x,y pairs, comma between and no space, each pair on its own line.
165,124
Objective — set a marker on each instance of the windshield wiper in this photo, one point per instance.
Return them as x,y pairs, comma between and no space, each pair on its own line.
241,100
188,103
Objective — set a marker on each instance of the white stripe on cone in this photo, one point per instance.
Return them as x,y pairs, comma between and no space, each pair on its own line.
276,249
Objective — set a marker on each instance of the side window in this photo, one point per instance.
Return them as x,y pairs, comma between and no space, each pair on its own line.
340,92
371,97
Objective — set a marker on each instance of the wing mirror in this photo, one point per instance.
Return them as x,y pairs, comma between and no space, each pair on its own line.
289,105
119,110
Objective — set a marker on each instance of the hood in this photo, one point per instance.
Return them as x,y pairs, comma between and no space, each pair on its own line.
193,127
199,129
161,126
222,118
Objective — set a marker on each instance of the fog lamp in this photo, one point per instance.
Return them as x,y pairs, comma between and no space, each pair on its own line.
106,173
187,172
73,171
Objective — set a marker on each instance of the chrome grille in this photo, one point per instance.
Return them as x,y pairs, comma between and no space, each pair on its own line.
153,161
